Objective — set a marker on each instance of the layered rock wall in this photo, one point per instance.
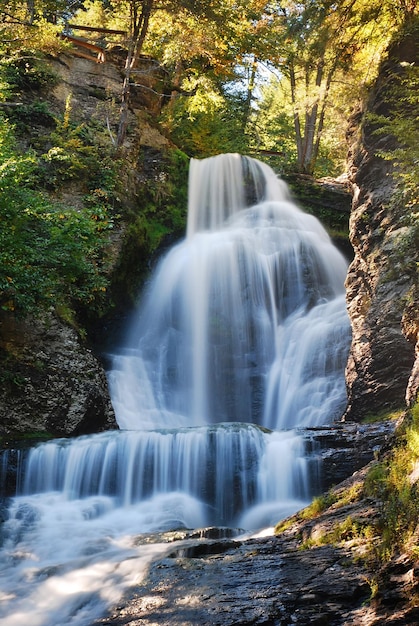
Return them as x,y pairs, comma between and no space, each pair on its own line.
382,295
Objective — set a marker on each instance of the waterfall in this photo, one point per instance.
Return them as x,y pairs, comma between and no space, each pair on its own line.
239,342
219,334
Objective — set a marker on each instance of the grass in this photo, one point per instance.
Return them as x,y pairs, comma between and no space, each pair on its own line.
393,482
332,498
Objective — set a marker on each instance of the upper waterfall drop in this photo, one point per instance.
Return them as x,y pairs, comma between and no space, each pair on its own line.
222,185
245,320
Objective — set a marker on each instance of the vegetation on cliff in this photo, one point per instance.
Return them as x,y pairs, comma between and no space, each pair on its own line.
277,79
61,184
51,254
398,117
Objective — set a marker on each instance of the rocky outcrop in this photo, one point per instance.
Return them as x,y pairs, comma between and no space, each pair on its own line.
93,91
338,451
382,371
306,575
52,383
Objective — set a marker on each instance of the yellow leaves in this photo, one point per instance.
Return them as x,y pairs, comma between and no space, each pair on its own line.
206,99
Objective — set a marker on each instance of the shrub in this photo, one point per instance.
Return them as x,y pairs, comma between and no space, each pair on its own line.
49,253
391,482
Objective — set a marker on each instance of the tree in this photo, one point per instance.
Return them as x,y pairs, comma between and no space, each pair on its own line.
315,41
322,50
209,55
190,39
140,13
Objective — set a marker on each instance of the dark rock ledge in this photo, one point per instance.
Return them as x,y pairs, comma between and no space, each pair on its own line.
277,581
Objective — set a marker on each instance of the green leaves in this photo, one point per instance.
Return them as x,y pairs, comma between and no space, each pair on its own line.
50,255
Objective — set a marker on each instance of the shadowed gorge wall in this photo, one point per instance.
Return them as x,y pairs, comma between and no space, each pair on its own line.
382,282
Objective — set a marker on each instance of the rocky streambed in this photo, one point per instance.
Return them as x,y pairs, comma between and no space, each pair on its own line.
318,570
293,578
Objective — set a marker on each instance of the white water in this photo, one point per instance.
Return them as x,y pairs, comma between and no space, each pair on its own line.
244,324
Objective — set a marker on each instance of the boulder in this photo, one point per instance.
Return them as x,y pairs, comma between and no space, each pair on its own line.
53,384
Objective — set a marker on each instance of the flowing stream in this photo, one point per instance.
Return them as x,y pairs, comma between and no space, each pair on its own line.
239,343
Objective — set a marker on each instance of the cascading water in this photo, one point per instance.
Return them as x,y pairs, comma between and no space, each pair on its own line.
240,341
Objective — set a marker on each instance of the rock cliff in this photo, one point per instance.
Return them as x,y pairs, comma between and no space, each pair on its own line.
56,385
382,282
51,382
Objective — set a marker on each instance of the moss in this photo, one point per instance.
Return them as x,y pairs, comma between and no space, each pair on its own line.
348,530
384,415
332,498
24,440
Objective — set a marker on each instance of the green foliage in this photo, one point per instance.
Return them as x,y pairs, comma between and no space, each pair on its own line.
26,71
333,498
316,52
319,504
164,194
49,254
272,127
159,217
392,483
397,126
372,418
25,117
400,120
73,154
348,530
206,123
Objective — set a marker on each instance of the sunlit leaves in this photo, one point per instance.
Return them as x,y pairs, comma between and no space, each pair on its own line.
326,53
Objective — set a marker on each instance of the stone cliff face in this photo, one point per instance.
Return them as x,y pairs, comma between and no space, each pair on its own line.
382,296
56,387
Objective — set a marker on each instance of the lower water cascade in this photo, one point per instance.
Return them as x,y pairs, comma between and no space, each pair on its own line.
239,343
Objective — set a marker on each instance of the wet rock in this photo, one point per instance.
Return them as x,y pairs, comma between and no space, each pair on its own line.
298,577
260,581
344,448
58,387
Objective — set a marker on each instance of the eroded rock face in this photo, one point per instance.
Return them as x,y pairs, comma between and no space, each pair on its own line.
382,371
93,92
56,385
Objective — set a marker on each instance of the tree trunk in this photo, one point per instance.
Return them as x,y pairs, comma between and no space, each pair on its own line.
311,124
139,27
125,98
249,95
297,123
